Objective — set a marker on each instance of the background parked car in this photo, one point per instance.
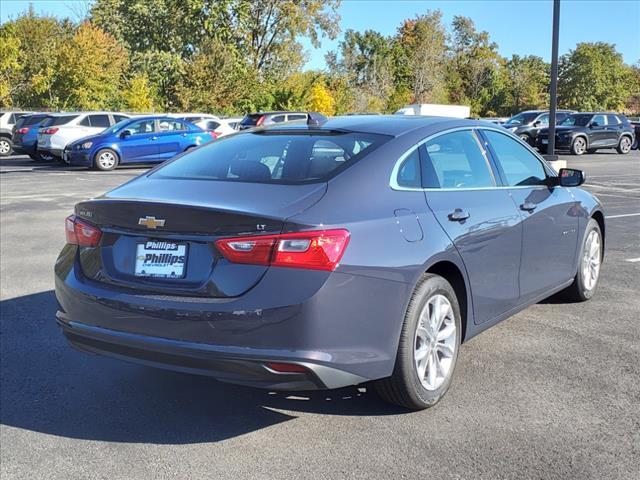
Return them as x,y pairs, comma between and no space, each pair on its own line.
208,122
25,134
149,139
262,119
527,124
7,121
636,128
588,132
68,127
233,122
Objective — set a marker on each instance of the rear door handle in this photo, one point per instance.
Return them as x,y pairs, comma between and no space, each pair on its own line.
183,134
458,215
528,206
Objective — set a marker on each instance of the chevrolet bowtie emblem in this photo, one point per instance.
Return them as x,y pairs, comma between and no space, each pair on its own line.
151,222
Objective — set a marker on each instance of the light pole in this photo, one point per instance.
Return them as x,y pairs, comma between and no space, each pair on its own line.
553,94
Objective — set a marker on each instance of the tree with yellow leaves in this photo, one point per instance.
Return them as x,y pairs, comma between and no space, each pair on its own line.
321,100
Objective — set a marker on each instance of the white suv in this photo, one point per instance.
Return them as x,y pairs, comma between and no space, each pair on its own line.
69,127
7,121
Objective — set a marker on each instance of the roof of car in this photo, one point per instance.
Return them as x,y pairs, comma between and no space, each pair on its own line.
383,124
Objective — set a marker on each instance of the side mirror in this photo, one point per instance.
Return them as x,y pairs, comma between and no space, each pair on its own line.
125,133
570,177
593,125
537,124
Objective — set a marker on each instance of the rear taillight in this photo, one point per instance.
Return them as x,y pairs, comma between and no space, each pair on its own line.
50,131
23,130
281,367
315,250
213,134
81,233
260,121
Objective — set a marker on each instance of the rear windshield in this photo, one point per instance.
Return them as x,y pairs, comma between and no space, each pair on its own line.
273,157
61,120
30,120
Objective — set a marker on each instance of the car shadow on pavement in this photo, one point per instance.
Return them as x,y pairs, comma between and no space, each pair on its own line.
46,386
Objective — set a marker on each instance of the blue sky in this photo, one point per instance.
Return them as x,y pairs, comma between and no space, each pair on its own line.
518,26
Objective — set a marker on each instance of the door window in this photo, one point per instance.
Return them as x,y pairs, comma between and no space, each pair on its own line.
277,118
171,125
141,126
599,119
85,122
409,173
101,121
212,125
543,120
519,165
119,118
455,160
613,120
296,116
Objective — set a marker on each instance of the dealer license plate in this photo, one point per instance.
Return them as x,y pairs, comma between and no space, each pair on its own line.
160,259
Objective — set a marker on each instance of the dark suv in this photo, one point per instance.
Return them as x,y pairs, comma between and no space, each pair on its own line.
588,132
527,124
262,119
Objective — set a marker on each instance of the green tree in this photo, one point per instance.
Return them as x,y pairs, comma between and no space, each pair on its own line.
474,66
40,40
10,66
421,57
90,70
138,96
523,84
593,77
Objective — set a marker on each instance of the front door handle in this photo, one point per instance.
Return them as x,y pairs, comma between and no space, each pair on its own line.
153,138
458,215
183,134
528,206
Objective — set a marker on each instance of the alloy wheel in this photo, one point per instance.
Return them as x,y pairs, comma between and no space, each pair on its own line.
107,160
625,145
580,146
591,260
5,147
435,342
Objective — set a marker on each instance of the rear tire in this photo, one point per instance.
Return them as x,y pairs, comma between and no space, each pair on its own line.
624,146
105,160
589,261
578,146
428,347
6,147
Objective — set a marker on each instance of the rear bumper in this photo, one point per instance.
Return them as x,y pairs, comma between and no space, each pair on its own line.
343,329
51,150
223,364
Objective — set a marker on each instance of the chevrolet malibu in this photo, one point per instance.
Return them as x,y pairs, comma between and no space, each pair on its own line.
327,254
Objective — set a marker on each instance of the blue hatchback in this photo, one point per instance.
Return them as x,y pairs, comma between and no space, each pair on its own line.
151,139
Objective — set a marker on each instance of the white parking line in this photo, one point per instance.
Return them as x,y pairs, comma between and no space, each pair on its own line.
633,260
623,215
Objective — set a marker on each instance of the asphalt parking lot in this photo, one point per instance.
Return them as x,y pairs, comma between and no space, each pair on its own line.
553,392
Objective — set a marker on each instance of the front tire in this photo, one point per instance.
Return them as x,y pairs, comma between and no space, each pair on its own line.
590,258
6,147
525,138
105,160
578,146
428,347
624,146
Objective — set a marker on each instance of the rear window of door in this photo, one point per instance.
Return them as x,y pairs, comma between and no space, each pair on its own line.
142,126
171,126
119,118
277,118
212,125
274,157
455,160
296,116
519,165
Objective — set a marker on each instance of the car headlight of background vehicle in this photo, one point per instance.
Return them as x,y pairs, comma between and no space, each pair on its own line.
86,145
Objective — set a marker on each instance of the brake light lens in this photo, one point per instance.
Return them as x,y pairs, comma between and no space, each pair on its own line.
50,131
213,134
260,121
314,250
281,367
80,233
23,130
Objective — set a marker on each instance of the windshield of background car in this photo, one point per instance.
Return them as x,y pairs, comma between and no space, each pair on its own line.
274,157
576,120
521,119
